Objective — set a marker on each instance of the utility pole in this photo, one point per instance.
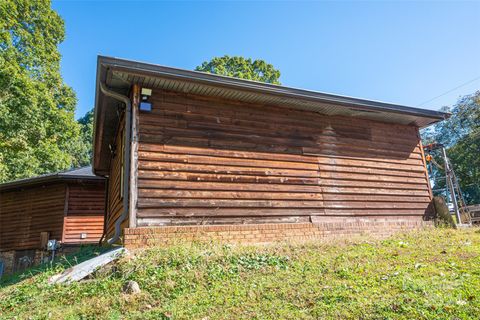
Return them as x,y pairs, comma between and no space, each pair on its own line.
448,177
452,186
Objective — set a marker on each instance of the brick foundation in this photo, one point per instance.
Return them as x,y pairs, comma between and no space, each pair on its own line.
268,233
10,259
7,258
14,261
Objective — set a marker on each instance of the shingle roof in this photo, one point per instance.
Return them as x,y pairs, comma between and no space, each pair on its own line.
84,173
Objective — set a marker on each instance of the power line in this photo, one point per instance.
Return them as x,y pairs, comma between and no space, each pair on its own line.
451,90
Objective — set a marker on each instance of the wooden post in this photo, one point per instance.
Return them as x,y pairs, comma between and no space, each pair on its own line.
132,206
44,237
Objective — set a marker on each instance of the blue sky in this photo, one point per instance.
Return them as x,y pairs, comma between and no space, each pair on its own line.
401,52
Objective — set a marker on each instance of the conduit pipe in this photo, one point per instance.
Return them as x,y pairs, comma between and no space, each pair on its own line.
105,206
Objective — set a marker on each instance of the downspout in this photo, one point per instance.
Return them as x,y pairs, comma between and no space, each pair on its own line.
126,172
105,209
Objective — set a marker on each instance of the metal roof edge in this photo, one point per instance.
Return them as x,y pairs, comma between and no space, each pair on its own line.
47,178
213,79
95,111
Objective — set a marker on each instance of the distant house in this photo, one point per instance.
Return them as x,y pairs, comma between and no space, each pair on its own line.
190,154
65,206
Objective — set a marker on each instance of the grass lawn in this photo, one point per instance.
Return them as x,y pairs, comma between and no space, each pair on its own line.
432,274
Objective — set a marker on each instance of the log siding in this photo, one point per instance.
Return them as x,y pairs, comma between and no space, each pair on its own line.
85,210
86,199
206,161
63,209
26,212
115,192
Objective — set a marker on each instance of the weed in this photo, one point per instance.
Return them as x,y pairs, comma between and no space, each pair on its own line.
432,274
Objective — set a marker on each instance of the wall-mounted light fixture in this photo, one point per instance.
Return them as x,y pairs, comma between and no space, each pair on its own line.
145,105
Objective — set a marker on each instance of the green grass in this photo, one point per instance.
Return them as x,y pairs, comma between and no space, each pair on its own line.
431,274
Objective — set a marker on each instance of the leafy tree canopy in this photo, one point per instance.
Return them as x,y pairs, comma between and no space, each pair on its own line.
38,132
461,136
243,68
465,118
86,131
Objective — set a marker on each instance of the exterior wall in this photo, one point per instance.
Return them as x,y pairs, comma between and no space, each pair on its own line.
268,233
115,196
203,161
86,199
64,210
26,212
84,215
77,227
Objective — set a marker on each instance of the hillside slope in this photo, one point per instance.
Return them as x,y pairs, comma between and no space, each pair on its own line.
431,274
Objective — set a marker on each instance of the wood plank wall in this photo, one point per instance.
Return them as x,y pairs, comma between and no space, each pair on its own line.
204,161
75,225
24,213
85,212
115,199
86,199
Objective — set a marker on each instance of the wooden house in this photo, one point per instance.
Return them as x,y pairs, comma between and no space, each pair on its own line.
66,206
190,154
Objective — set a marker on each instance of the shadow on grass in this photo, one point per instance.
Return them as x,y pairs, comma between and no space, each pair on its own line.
84,253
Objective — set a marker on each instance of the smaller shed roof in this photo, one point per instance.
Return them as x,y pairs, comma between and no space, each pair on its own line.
84,173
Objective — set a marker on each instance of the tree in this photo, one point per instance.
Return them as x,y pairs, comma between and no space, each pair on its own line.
243,68
38,132
460,134
86,130
464,119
